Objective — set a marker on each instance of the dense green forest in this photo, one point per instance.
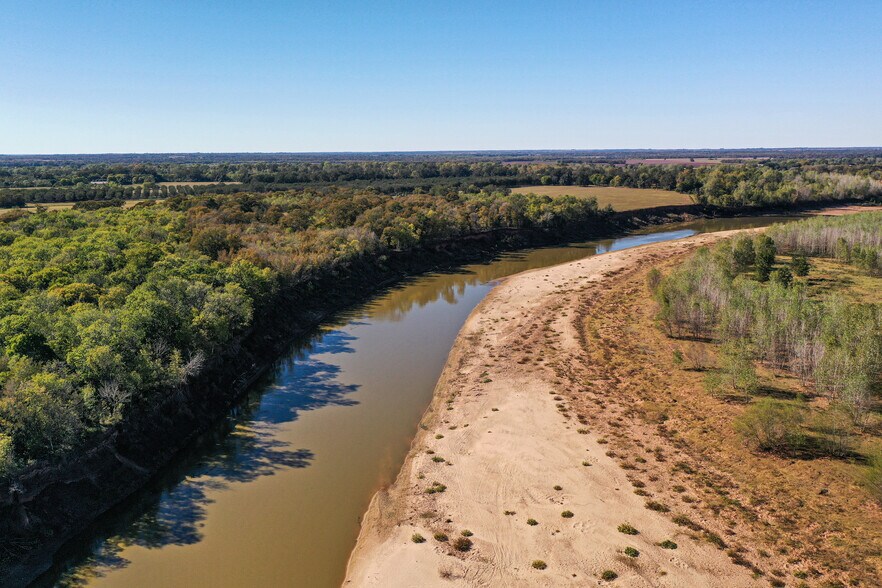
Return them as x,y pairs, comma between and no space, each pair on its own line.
102,310
767,309
750,183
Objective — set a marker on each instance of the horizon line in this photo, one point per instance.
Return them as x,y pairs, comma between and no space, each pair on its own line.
419,151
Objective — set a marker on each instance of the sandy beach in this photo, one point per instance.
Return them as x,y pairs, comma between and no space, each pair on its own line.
499,437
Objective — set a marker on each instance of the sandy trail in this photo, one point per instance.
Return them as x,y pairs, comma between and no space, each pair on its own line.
508,440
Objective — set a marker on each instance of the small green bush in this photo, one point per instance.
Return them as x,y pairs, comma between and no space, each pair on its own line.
667,544
631,552
685,521
440,537
800,265
782,276
417,538
558,488
539,564
653,279
567,514
608,575
466,533
462,544
436,488
657,506
771,425
627,529
532,522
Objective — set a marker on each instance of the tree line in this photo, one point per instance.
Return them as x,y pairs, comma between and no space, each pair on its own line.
772,182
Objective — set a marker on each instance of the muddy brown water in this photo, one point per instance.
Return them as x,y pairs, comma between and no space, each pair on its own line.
273,495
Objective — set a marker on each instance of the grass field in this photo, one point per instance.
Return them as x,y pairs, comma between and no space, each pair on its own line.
621,199
194,183
32,206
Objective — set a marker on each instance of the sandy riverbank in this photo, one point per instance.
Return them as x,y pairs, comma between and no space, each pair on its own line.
507,441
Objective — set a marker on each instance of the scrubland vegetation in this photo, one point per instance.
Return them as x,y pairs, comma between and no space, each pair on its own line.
107,309
768,311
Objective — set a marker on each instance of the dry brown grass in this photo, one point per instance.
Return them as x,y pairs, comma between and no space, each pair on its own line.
620,198
194,183
691,161
774,514
33,206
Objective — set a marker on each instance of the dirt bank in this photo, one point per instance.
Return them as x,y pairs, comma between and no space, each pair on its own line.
500,436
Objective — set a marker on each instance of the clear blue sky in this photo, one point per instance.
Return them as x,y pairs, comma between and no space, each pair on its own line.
155,76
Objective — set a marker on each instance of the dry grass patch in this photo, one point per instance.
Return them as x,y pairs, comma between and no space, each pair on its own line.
620,198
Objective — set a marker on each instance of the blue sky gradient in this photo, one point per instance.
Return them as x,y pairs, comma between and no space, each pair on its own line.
356,76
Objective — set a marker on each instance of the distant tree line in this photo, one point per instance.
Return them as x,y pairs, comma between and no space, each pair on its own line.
755,183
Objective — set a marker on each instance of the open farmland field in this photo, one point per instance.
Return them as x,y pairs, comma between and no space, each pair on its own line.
193,183
33,206
620,198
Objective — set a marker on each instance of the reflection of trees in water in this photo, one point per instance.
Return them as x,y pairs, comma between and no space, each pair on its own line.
451,286
241,451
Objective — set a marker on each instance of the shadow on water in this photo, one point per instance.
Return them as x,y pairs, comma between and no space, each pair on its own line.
244,447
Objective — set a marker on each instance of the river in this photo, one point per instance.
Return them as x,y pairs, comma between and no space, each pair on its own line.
272,496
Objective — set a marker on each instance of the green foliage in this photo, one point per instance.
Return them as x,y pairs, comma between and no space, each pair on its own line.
627,529
214,240
436,488
765,257
7,457
462,544
743,253
653,279
657,506
771,425
873,476
737,359
539,564
800,265
782,277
